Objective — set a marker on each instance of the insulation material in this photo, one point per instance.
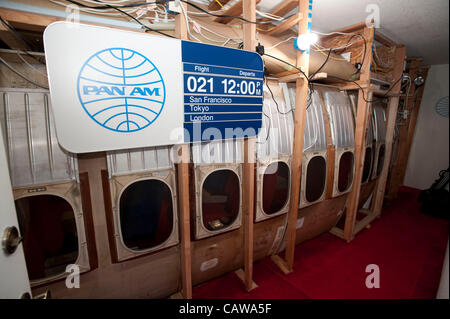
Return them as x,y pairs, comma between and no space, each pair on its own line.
139,160
277,131
384,57
341,118
284,51
337,67
34,154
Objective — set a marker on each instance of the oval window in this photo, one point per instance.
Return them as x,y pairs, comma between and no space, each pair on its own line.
50,240
367,165
146,214
275,187
220,199
315,178
380,163
345,171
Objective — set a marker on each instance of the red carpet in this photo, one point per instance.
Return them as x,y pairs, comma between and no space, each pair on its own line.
408,247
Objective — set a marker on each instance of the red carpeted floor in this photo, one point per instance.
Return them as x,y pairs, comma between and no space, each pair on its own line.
408,247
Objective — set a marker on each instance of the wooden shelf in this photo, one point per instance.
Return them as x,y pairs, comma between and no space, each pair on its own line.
295,76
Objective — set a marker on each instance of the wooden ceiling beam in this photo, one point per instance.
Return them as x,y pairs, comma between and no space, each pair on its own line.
283,8
285,25
235,10
27,20
214,5
10,39
384,40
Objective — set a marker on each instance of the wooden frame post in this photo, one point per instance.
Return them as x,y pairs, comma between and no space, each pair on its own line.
248,198
380,188
362,115
299,124
406,133
183,192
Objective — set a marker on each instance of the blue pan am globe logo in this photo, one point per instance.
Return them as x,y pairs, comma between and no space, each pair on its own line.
121,90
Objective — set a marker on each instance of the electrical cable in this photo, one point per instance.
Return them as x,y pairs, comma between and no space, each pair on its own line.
287,63
281,42
276,103
268,117
139,4
108,6
20,36
323,65
135,19
352,35
311,89
29,65
219,3
22,75
364,98
223,15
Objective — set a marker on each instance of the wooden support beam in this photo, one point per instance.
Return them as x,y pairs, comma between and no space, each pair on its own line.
384,40
295,76
352,28
297,154
415,110
401,162
283,8
214,5
11,39
285,25
38,22
362,118
249,10
183,193
380,188
330,150
29,19
235,10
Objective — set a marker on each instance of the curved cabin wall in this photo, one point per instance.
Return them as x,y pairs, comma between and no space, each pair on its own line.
46,188
42,172
342,124
367,184
130,262
216,208
314,163
379,111
273,155
273,171
339,130
143,218
317,214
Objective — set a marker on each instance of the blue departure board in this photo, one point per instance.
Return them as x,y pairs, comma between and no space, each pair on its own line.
223,92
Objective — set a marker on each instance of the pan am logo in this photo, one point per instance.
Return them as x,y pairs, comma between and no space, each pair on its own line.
121,90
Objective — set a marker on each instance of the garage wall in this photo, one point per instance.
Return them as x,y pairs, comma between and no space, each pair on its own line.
430,147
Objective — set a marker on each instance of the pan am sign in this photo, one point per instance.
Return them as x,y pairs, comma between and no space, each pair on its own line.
121,90
112,89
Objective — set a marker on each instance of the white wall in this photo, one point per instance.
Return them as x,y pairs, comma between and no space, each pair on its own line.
430,147
443,286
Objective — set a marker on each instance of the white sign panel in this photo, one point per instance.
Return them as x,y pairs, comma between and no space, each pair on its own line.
113,89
